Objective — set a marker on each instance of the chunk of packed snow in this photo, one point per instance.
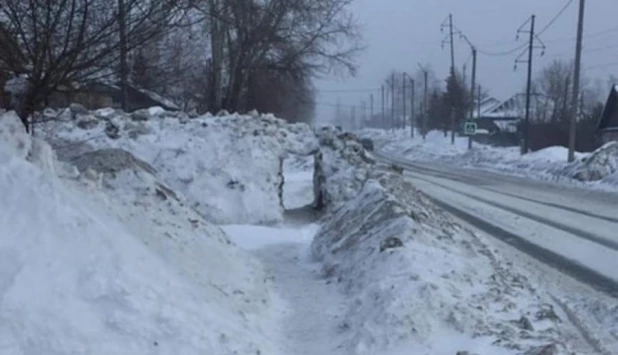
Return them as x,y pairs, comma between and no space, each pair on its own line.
600,164
341,167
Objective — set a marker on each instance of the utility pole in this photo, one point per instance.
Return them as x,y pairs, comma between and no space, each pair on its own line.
371,108
412,120
479,101
453,77
364,116
575,98
526,125
453,118
425,109
383,111
353,117
124,70
403,99
393,101
472,92
529,86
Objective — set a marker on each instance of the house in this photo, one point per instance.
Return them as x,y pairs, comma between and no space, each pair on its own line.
98,95
499,121
608,124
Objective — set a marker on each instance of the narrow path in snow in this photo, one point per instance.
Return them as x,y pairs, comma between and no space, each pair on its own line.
313,307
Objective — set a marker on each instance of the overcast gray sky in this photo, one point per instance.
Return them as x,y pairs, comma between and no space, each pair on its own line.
400,33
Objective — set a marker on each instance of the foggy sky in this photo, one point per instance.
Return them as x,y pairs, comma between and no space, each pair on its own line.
400,33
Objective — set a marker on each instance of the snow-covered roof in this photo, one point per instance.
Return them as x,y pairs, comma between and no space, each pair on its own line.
609,117
156,97
515,106
17,85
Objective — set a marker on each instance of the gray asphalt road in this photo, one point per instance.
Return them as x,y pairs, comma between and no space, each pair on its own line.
573,229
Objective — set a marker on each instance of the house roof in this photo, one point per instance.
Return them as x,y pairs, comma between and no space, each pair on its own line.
515,106
487,104
609,117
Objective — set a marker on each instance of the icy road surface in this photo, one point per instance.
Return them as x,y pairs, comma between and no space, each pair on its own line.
573,229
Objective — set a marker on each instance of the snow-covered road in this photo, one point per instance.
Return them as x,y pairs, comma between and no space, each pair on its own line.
572,229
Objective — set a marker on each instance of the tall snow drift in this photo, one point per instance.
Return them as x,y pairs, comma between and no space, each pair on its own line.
341,167
228,167
420,283
116,263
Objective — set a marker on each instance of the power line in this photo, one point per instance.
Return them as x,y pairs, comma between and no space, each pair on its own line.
566,6
518,48
504,53
602,65
587,36
349,90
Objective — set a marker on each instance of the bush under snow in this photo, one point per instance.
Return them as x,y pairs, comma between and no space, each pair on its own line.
229,167
115,262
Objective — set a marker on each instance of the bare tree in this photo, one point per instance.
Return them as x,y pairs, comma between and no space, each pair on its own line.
554,82
291,37
58,43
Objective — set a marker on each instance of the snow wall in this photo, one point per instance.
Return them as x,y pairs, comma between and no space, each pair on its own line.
229,167
111,260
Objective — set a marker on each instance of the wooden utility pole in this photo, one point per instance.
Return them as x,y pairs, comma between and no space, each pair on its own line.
479,101
403,100
217,38
364,117
393,101
526,125
383,111
529,86
454,78
353,115
124,70
412,120
576,76
472,92
425,109
371,108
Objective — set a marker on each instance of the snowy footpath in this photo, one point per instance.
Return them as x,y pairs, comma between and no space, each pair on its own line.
311,306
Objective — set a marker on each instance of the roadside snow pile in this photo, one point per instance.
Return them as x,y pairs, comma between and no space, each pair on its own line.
600,165
341,167
229,167
546,164
115,263
420,284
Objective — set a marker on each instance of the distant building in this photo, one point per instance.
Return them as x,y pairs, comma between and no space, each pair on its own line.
499,122
608,124
98,95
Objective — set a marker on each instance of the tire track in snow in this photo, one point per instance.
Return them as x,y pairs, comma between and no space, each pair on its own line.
485,184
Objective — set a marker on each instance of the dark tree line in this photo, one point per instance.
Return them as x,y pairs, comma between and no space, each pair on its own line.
205,55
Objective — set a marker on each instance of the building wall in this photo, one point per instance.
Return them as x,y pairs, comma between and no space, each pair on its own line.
90,100
610,136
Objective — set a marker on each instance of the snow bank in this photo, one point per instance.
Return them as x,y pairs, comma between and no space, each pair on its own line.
341,167
419,283
229,167
115,262
545,164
